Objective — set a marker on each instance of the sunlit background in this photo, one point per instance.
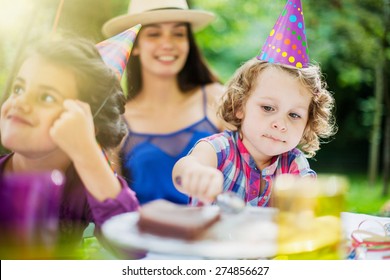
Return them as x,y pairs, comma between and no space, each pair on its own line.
350,39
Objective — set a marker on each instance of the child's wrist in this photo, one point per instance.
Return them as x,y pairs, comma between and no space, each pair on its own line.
89,154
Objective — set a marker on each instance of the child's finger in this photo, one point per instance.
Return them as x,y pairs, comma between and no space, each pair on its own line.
205,185
75,105
191,183
215,187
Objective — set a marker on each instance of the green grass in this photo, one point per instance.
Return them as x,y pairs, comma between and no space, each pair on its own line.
364,198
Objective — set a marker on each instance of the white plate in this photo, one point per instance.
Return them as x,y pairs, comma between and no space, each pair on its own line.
248,235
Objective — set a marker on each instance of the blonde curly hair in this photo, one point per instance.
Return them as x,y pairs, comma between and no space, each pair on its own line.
321,121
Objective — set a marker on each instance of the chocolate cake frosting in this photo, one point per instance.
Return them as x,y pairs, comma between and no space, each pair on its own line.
164,218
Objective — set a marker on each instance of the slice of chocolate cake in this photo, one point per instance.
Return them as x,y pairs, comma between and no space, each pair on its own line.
164,218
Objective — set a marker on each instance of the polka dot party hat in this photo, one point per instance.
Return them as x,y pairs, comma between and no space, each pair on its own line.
116,50
286,43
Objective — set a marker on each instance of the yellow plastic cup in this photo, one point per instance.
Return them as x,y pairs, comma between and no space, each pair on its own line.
309,225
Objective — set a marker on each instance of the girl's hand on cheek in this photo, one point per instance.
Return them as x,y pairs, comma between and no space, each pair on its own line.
74,130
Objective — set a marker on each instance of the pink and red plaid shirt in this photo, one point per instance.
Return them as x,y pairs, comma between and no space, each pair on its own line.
241,174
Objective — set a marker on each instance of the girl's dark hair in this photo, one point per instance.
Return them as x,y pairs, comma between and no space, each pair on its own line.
97,84
194,73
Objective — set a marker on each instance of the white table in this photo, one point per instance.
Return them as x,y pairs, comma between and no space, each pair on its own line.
120,232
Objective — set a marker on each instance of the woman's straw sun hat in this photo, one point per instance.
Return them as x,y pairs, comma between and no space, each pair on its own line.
153,11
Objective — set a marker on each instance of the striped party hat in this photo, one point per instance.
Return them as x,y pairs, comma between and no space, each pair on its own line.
286,43
116,50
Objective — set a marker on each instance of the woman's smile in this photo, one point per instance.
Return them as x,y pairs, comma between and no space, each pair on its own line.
166,58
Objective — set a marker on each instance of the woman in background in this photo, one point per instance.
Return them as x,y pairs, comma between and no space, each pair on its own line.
172,94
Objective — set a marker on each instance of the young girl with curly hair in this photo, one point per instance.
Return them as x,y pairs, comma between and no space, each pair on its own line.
279,113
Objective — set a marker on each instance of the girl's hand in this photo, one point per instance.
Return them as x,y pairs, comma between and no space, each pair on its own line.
74,130
202,182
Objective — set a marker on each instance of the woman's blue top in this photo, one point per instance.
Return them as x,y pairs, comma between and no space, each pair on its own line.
148,159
